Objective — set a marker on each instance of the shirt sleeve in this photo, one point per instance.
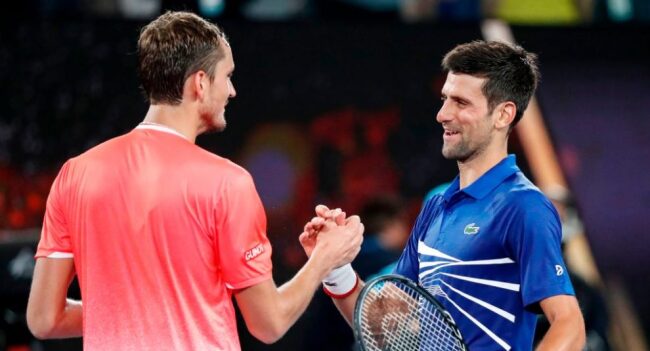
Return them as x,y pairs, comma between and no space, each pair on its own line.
534,240
408,264
242,244
55,239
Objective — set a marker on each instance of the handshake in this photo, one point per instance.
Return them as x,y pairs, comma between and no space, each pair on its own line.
331,241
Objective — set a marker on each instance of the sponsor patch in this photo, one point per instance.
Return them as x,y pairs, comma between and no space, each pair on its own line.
254,252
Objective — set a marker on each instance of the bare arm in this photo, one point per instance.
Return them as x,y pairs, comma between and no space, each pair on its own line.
567,331
49,313
346,305
269,311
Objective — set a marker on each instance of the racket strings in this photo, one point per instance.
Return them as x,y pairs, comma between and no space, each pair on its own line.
395,317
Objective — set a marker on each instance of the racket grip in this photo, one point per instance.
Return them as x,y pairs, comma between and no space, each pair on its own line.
341,282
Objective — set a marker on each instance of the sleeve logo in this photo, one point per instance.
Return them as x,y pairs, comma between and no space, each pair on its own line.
254,252
559,270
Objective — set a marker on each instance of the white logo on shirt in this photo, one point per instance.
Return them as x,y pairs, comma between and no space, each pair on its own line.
559,270
254,252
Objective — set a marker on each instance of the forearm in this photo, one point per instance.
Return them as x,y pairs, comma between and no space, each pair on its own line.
269,311
296,294
67,323
567,331
49,313
70,324
564,335
346,305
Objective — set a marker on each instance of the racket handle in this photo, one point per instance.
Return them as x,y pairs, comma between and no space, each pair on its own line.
341,282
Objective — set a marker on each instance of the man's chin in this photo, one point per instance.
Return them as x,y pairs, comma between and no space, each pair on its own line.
454,155
212,126
215,128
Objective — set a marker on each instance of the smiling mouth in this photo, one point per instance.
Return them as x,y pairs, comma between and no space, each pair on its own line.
450,133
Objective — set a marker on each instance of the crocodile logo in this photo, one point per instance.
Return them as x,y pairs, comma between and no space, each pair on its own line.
471,229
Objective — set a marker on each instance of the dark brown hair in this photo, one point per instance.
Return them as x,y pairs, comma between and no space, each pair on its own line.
173,47
511,71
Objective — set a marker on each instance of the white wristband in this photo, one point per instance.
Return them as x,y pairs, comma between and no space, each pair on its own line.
340,281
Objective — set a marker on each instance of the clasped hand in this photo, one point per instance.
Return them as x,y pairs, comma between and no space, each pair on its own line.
332,236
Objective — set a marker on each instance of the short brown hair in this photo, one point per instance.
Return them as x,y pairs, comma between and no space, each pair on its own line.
511,71
173,47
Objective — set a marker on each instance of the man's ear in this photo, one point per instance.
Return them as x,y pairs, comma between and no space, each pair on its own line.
197,83
506,112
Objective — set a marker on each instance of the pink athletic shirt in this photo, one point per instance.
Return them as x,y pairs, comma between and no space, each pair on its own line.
161,232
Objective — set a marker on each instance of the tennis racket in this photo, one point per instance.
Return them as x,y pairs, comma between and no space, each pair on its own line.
392,313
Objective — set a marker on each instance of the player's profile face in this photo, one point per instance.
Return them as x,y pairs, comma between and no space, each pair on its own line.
464,117
221,90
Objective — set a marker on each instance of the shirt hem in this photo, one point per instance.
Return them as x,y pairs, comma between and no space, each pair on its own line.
250,282
54,254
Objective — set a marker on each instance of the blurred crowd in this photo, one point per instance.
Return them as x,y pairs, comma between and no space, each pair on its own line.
22,198
533,12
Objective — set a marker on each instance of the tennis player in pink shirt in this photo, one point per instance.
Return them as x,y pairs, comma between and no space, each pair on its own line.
161,233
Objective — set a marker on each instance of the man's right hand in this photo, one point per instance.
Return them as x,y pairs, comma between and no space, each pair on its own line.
312,228
332,238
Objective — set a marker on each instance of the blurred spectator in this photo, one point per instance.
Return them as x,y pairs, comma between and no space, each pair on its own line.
147,9
101,8
438,189
441,10
535,12
22,198
276,10
211,8
358,9
566,208
384,238
139,9
622,10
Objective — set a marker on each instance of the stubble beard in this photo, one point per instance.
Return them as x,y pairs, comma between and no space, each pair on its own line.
464,151
212,124
459,152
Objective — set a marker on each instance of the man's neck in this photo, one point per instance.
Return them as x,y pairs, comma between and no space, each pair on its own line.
471,170
176,117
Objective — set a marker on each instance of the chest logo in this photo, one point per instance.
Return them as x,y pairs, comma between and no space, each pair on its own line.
471,229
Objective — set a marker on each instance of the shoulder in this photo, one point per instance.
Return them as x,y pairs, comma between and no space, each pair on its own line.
107,148
227,168
429,210
522,193
430,205
226,175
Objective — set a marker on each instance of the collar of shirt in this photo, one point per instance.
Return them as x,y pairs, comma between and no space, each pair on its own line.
159,127
487,182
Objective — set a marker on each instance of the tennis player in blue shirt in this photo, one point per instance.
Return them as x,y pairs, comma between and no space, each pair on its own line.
488,248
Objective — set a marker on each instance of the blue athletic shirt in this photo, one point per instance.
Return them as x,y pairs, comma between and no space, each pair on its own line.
489,253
